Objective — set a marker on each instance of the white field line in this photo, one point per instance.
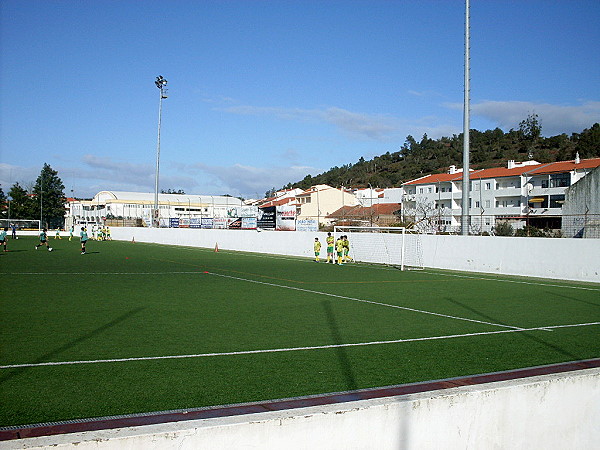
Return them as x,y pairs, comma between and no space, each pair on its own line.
365,301
532,283
291,349
104,273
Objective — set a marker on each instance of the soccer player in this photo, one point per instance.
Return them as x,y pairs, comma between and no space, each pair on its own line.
13,227
57,235
108,238
346,248
3,238
339,244
317,249
84,238
44,240
330,244
71,232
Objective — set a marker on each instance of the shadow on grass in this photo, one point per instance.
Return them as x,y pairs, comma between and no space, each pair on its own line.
527,334
341,353
597,305
48,356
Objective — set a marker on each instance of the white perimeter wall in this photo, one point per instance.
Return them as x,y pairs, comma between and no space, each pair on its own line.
566,259
550,412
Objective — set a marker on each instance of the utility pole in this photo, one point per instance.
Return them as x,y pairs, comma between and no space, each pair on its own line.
464,219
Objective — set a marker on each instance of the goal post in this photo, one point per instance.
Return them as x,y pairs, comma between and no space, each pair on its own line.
394,246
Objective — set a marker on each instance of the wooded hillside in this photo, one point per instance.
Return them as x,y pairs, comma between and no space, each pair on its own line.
491,148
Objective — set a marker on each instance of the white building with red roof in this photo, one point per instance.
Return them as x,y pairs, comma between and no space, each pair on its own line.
522,193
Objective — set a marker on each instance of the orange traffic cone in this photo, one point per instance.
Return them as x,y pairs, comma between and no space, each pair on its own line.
216,247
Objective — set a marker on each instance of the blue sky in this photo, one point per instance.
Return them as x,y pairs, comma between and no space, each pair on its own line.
262,93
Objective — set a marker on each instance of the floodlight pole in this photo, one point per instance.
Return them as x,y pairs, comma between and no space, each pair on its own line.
464,219
161,84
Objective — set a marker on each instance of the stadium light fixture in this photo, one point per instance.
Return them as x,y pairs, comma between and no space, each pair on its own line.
161,84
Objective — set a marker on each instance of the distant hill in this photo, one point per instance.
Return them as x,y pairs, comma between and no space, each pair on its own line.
491,148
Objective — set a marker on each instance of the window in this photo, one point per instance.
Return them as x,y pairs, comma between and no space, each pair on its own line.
556,201
560,180
429,190
420,190
487,203
488,186
476,204
545,183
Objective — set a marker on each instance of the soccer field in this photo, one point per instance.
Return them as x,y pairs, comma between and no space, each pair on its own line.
131,328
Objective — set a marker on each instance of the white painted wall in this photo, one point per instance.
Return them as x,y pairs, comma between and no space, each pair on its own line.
566,259
550,412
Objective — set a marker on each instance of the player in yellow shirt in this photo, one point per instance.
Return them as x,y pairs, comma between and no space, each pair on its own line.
339,246
317,247
330,245
346,248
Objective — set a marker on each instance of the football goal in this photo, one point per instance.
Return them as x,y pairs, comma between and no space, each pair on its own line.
393,246
20,224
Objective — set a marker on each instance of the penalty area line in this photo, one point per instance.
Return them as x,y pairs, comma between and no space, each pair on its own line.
290,349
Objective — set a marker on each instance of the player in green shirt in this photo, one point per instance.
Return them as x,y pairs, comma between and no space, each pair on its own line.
3,238
44,240
317,249
84,238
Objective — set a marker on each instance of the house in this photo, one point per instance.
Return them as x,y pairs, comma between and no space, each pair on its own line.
527,193
319,201
380,214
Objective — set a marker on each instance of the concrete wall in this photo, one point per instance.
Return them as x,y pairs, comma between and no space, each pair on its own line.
551,412
566,259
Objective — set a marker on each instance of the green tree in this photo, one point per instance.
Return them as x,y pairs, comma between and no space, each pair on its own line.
588,142
50,198
20,203
3,204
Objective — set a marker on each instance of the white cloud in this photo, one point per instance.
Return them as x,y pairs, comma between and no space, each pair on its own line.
377,127
555,119
249,181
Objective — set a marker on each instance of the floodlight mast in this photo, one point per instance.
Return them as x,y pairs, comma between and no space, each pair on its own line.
161,84
464,219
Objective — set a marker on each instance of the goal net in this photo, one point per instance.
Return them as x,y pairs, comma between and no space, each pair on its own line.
20,224
393,246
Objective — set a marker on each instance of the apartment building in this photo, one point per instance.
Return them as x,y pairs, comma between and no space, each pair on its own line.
521,193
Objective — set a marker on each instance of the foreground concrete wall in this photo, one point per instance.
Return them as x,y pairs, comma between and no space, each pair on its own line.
552,412
566,259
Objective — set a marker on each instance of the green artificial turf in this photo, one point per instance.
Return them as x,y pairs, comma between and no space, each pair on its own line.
127,300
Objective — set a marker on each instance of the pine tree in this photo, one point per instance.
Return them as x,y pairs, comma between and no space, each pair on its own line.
50,198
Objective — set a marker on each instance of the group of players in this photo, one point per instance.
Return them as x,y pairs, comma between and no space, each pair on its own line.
341,247
104,234
83,238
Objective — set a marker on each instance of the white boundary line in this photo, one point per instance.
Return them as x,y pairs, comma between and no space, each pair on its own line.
512,281
366,301
290,349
